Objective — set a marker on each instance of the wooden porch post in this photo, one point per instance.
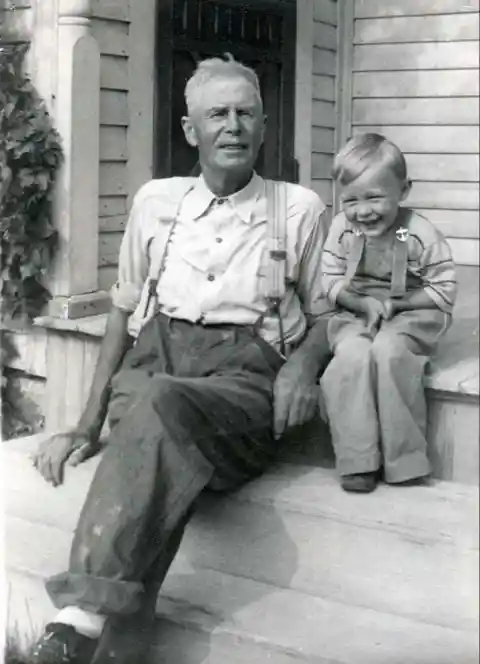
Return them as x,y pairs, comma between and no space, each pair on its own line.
73,280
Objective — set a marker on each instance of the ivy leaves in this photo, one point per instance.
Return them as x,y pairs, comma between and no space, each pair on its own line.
30,154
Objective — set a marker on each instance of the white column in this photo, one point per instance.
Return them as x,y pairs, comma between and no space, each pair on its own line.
74,275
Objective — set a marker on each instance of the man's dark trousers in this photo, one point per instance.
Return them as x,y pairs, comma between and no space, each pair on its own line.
191,407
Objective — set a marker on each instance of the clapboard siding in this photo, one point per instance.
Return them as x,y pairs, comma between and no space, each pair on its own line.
113,143
439,28
109,248
445,195
425,111
446,139
438,55
112,10
429,83
18,23
415,79
324,118
455,223
110,27
374,8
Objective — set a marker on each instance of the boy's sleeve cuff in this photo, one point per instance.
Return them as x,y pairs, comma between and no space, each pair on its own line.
439,301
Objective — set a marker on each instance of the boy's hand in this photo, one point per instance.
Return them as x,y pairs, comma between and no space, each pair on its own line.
391,309
374,311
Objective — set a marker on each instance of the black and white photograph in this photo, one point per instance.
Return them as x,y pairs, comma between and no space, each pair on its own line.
239,331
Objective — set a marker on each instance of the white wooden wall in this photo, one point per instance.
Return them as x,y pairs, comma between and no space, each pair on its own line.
110,27
125,31
16,16
415,79
323,96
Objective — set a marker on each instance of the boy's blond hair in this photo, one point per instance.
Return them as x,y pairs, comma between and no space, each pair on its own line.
364,151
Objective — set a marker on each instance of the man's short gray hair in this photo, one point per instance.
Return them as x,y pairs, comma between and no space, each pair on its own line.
218,68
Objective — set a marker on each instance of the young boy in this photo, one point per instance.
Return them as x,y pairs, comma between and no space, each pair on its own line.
390,273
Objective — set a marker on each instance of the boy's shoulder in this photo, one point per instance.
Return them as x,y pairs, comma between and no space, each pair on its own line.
421,228
340,224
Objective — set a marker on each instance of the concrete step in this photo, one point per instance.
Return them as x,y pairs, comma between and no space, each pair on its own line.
205,616
289,569
169,641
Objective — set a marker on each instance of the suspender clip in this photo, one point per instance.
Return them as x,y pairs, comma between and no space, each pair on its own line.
278,254
152,292
402,234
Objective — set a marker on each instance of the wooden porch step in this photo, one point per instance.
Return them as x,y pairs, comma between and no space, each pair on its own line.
289,569
208,617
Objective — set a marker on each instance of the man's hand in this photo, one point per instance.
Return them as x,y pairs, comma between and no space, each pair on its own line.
296,395
66,448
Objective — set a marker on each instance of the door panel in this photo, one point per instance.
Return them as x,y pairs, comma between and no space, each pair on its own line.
261,35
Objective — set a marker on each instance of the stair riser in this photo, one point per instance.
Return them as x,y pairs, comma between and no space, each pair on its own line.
453,419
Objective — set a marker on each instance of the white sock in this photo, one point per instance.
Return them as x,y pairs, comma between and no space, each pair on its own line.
86,623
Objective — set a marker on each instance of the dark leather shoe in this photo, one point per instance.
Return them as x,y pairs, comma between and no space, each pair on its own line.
360,482
62,644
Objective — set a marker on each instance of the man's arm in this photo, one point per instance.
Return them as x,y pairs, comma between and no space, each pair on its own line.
296,389
83,441
114,345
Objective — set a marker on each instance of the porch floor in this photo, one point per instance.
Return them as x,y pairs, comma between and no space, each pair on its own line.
288,570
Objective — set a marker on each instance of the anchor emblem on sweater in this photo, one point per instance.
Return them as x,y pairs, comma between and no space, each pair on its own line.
402,234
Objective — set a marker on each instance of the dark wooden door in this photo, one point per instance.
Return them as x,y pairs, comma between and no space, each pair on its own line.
259,33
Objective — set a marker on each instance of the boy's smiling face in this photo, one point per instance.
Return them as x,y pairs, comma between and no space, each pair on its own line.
371,201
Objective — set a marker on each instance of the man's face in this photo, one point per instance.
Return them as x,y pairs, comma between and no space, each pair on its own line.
226,125
371,201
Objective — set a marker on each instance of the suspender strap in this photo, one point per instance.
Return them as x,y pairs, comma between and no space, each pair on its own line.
398,285
158,267
400,261
399,268
276,194
354,257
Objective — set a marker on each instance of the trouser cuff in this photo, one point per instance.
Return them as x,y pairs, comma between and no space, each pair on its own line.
95,594
408,467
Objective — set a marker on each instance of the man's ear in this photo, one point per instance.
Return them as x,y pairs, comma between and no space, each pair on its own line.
406,189
189,131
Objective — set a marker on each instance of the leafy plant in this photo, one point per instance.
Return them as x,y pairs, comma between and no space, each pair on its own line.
30,155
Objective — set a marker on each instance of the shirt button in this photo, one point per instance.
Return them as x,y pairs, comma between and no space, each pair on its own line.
219,239
211,277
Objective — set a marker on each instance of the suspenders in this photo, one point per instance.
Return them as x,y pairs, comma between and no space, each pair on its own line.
158,267
398,284
276,195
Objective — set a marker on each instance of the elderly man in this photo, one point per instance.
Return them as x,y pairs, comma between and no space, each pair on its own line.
219,285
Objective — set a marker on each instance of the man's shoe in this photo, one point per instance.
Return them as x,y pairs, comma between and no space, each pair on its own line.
62,644
360,482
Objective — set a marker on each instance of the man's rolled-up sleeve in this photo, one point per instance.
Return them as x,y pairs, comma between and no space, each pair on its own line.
334,261
132,261
310,289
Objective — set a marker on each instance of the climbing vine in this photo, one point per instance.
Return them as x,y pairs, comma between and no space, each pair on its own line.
30,155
